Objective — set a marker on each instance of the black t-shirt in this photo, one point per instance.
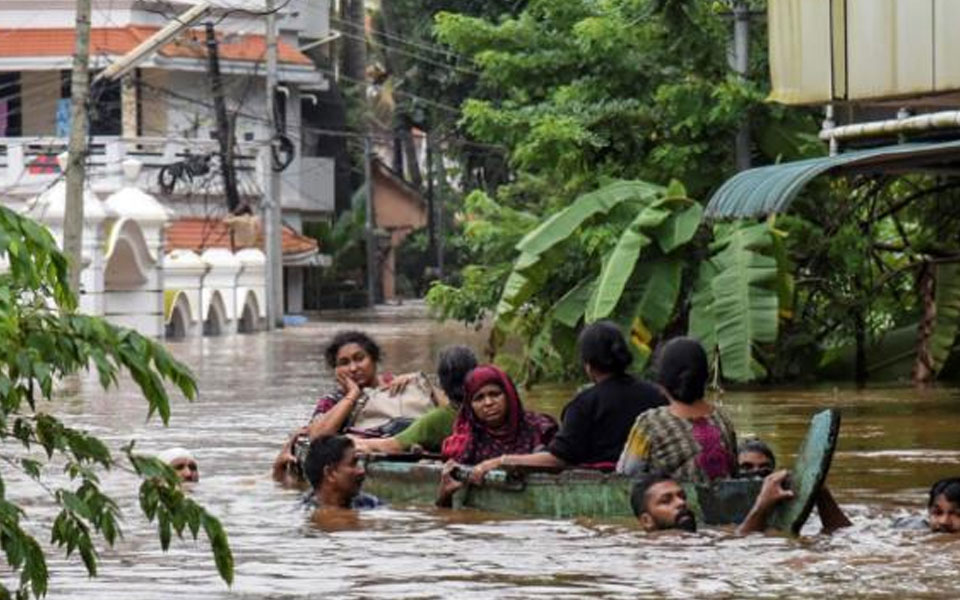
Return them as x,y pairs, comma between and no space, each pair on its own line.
596,423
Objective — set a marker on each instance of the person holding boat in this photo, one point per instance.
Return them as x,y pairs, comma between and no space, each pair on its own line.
362,400
659,503
429,431
690,439
594,425
492,422
336,475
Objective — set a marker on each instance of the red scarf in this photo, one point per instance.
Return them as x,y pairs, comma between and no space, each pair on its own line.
472,442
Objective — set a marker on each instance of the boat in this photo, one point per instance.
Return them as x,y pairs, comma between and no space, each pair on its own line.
574,493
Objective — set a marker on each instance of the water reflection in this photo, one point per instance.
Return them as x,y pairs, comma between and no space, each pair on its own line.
255,389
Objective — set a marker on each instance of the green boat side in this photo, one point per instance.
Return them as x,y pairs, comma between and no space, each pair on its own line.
583,493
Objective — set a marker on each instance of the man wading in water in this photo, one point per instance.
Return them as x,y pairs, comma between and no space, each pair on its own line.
660,503
334,471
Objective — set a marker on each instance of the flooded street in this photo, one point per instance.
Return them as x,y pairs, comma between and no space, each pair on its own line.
255,389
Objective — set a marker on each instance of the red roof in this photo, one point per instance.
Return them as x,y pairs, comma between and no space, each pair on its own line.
199,234
120,40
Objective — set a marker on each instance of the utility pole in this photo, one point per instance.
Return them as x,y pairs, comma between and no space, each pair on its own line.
740,63
77,148
441,181
373,265
273,226
224,130
431,208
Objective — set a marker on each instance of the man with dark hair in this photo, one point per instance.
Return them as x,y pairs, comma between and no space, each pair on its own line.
660,503
334,471
943,507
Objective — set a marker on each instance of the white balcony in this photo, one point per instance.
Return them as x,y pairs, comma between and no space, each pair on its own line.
192,166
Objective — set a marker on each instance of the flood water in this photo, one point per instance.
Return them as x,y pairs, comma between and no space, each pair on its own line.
255,389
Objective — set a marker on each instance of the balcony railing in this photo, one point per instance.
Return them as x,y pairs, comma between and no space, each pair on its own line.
172,168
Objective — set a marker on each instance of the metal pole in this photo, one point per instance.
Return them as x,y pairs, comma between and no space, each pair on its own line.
273,226
740,62
441,185
77,147
431,204
373,267
224,131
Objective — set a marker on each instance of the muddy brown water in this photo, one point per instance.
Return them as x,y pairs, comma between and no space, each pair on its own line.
254,389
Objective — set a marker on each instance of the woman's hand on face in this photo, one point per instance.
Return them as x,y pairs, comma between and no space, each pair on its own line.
350,388
481,469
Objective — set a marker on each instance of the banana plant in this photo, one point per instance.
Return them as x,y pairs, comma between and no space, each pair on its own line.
736,297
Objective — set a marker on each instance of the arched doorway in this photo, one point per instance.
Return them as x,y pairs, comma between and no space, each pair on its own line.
250,317
215,323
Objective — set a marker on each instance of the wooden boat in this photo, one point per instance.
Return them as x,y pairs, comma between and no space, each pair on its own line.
582,493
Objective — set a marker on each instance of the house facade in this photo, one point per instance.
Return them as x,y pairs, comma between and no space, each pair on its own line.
161,117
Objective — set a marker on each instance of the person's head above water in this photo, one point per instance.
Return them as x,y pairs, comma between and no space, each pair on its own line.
333,468
492,396
183,462
603,350
453,366
943,507
682,369
659,502
356,355
755,458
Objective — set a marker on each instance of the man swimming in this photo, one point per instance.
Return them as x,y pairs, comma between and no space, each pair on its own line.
660,503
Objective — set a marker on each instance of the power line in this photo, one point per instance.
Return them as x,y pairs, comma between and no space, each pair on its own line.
413,55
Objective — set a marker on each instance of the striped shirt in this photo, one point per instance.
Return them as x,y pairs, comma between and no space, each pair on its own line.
699,450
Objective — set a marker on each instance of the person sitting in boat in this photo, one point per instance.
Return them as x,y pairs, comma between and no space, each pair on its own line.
492,422
429,431
594,425
183,462
659,503
363,400
333,468
690,439
755,458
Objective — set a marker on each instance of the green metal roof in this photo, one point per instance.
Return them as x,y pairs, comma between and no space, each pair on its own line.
771,189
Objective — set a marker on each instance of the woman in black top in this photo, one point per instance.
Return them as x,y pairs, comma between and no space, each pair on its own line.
596,423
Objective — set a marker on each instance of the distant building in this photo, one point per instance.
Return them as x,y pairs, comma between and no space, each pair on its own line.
161,114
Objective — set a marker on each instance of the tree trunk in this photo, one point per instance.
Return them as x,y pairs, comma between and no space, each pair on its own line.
923,367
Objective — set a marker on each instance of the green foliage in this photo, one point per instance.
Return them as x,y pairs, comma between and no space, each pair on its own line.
45,341
736,301
947,322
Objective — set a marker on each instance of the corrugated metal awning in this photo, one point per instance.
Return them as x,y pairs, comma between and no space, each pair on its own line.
771,189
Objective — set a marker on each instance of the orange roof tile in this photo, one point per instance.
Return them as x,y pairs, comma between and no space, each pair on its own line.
120,40
199,234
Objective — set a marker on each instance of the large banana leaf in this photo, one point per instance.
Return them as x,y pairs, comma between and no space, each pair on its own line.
559,226
569,309
741,308
679,228
947,321
531,265
655,302
618,267
702,323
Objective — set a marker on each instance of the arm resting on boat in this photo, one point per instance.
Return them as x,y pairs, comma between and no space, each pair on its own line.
285,458
448,485
538,460
771,494
831,516
388,445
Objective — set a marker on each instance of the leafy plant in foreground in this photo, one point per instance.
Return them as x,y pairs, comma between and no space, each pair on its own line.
45,341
